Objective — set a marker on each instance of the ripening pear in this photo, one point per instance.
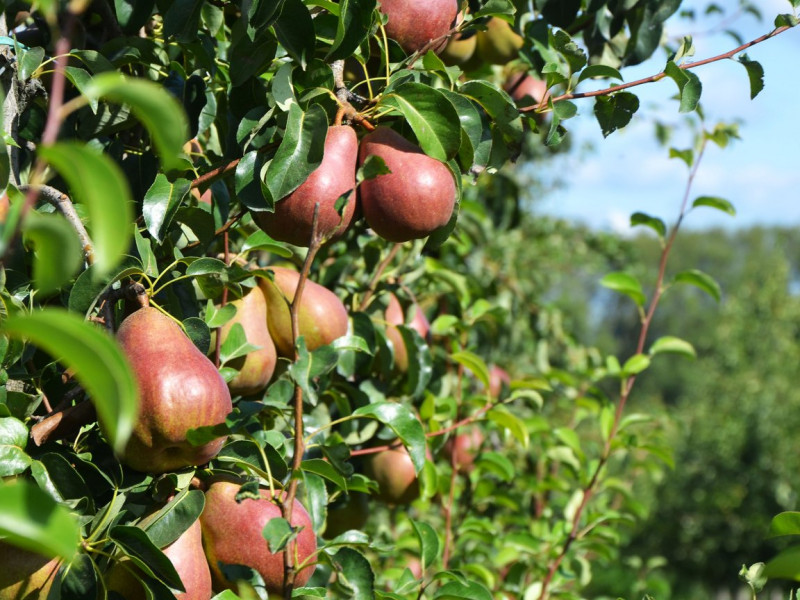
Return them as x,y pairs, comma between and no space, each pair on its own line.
179,389
25,574
525,89
412,201
322,318
395,474
232,535
257,367
499,44
186,555
413,23
459,49
462,449
335,176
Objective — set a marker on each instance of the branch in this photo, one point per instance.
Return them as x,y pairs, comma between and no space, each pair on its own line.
63,423
662,74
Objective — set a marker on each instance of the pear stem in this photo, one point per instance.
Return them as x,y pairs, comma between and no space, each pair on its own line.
290,572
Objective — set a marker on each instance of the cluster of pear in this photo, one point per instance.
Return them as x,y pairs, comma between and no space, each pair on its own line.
228,532
410,202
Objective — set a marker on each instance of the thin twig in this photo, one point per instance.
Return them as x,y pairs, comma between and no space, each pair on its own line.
662,74
376,277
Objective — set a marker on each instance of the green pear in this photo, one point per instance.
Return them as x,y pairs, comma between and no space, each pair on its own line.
322,317
413,23
459,50
25,575
232,534
394,472
499,44
257,367
395,316
179,389
334,177
413,200
187,556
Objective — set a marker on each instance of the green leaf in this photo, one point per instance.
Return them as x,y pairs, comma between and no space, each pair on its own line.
354,573
259,240
324,469
89,286
601,71
94,357
654,223
715,202
161,202
299,154
13,439
154,106
615,112
786,565
686,156
755,73
625,283
635,364
701,280
785,523
353,27
428,543
278,534
689,86
295,31
404,423
169,523
58,253
462,590
676,345
31,519
506,419
235,344
135,543
56,475
475,364
432,117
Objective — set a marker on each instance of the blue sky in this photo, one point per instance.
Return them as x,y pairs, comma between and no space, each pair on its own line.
629,172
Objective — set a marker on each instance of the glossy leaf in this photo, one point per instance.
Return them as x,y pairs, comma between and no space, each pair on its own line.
355,573
672,344
786,565
701,280
625,283
475,364
404,423
94,357
432,117
161,203
171,521
428,543
13,439
135,543
785,523
158,111
278,534
689,86
31,519
654,223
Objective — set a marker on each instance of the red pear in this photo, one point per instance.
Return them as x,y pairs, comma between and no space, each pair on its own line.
396,316
25,574
257,367
394,472
179,389
187,556
322,317
413,23
413,200
462,448
335,176
498,379
524,89
232,535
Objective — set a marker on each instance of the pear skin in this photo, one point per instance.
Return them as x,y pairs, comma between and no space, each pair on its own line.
412,201
232,535
187,556
322,317
255,369
413,23
395,316
179,389
293,217
394,472
25,574
499,44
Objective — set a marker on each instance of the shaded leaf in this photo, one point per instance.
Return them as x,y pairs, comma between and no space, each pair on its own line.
58,253
161,203
715,202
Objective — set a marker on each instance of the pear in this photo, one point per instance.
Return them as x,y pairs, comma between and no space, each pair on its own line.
395,316
322,317
394,472
335,176
179,389
499,44
257,367
232,534
459,50
499,381
413,23
187,556
25,574
524,89
462,448
413,200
